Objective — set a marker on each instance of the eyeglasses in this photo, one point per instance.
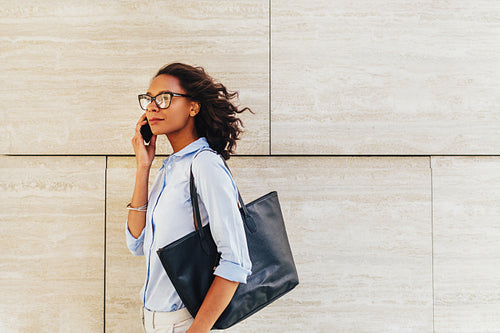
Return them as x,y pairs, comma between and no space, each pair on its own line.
162,100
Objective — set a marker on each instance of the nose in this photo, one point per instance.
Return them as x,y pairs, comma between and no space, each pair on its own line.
153,107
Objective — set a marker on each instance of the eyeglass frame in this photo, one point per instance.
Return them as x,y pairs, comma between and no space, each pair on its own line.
172,94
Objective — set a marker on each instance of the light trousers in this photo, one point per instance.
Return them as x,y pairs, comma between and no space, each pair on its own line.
166,322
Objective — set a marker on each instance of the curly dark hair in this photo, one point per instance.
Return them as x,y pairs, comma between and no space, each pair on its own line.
216,120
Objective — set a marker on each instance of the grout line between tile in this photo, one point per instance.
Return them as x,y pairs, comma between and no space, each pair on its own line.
257,155
432,241
105,236
270,80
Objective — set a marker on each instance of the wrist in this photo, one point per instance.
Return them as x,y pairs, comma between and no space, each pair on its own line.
196,329
143,167
142,208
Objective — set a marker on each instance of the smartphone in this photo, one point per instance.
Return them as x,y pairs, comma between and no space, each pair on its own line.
146,132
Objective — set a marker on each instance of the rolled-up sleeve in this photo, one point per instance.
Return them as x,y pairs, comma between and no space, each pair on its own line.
218,192
135,245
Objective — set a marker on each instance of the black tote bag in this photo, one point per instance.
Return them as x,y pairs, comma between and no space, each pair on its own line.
191,260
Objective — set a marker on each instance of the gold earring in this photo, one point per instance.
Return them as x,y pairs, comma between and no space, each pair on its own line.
197,109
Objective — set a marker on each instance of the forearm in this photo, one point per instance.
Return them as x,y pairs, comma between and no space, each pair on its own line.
217,299
137,219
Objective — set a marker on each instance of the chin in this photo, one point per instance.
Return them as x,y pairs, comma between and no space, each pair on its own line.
156,131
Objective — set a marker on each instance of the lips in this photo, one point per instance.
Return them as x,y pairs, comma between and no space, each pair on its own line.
154,120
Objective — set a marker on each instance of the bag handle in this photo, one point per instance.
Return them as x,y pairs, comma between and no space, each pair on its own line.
247,219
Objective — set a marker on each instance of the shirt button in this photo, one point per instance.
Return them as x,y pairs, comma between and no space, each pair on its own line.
170,166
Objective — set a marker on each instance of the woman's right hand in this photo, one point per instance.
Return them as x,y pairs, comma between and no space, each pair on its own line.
143,154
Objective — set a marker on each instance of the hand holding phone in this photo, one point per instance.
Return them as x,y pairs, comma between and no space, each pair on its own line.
146,132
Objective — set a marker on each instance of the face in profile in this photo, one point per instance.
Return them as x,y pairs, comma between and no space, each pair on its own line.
175,116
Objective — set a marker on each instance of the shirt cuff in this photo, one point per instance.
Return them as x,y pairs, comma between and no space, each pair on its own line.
134,244
232,271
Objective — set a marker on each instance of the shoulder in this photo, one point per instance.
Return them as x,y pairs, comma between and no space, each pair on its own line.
211,174
207,161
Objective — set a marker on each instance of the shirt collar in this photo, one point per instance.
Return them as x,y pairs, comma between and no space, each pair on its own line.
193,146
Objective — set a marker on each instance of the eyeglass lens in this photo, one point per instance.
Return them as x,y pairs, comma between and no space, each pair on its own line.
163,100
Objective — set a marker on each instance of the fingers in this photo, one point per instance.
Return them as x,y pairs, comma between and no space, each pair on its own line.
144,153
138,131
141,122
137,139
152,143
142,119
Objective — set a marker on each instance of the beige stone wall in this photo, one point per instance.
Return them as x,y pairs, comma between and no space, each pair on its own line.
377,123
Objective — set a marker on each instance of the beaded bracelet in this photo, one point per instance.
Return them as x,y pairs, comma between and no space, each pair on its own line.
143,208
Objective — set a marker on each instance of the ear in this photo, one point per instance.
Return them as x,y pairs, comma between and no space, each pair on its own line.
195,108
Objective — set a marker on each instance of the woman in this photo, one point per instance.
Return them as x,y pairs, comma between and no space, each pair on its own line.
195,113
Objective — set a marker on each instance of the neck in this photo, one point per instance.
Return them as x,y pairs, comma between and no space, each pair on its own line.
178,142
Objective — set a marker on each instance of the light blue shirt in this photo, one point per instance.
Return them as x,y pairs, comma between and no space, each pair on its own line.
170,216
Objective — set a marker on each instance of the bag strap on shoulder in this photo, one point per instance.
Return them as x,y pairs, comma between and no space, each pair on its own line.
247,219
